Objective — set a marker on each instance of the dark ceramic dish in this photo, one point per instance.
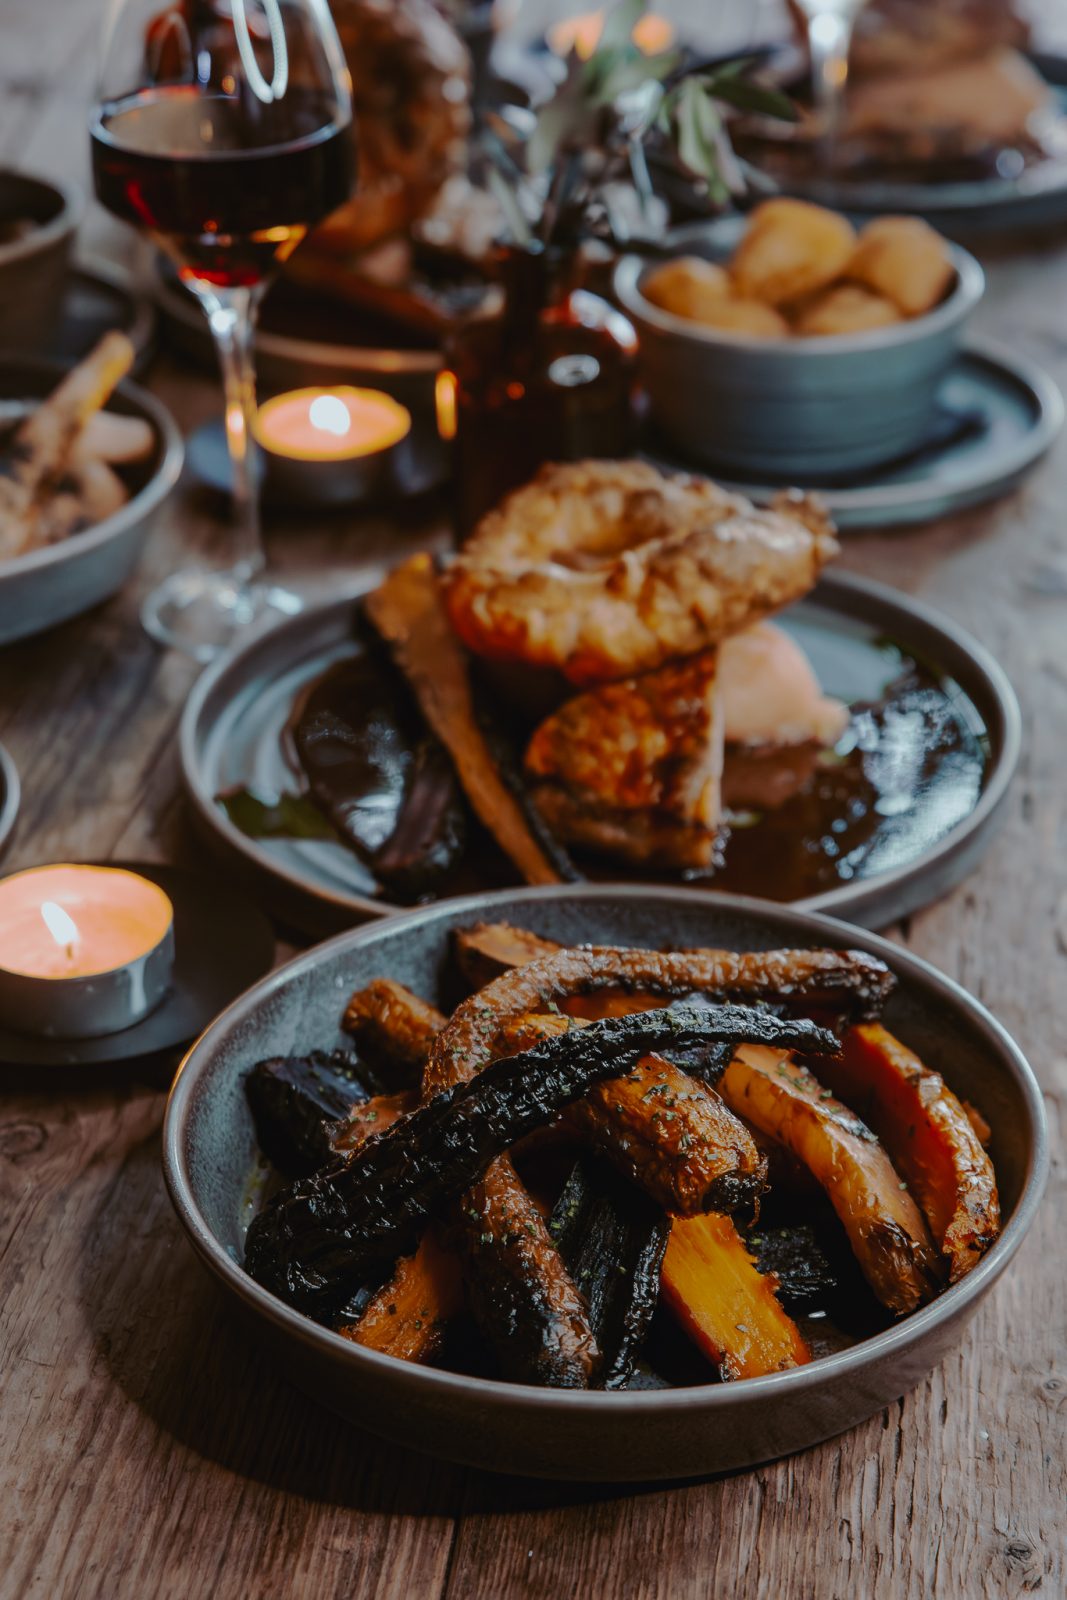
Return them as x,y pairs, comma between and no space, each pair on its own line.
210,1158
1005,204
231,738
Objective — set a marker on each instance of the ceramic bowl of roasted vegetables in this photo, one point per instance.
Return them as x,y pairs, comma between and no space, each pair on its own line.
86,458
793,345
606,1183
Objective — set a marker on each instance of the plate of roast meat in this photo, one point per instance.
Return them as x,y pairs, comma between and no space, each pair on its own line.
625,675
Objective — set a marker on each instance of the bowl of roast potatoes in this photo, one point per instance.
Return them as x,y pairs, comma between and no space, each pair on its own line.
791,344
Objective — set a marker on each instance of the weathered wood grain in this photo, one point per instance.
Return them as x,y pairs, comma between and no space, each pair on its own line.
146,1449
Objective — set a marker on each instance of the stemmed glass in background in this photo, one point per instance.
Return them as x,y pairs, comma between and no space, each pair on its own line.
223,130
829,24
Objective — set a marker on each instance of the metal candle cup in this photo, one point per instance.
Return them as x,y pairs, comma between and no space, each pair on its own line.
330,446
84,950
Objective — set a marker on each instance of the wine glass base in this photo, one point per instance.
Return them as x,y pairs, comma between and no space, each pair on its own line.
202,613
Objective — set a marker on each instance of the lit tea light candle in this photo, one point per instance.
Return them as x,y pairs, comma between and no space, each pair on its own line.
331,425
84,950
331,446
651,33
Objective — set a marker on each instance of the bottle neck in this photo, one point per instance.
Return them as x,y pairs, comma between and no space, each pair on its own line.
533,280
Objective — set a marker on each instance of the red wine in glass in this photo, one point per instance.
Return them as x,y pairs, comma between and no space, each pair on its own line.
223,129
228,210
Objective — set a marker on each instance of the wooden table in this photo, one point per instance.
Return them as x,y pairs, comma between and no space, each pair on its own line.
147,1451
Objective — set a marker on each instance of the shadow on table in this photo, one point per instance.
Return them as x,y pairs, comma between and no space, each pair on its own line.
172,1345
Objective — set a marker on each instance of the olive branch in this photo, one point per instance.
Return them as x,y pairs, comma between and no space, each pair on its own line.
577,165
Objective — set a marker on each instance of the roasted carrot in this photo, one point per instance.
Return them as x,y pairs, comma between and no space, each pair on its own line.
393,1026
929,1136
407,1317
726,1306
884,1225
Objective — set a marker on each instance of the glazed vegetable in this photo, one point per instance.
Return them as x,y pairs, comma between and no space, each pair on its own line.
725,1304
929,1137
522,1297
520,1294
406,1317
486,949
393,1026
883,1223
370,1116
826,979
329,1230
673,1137
662,1128
295,1099
612,1240
408,612
384,782
38,459
803,1277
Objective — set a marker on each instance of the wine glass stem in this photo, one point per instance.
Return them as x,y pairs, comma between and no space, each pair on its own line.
232,316
829,39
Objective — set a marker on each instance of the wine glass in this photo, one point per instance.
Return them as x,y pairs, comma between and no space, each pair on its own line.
829,25
223,130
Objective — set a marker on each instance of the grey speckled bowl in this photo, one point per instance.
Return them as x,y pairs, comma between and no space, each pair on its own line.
210,1151
792,409
47,586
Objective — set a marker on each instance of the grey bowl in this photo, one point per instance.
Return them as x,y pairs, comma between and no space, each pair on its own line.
33,268
209,1156
800,409
47,586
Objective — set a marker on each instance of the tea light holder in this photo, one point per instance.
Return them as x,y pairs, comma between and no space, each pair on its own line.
85,950
331,446
417,463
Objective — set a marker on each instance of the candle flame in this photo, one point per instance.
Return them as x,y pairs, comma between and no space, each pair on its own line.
445,388
330,414
61,926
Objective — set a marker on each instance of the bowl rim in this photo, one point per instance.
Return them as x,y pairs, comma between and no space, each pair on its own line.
66,219
494,1393
139,505
967,291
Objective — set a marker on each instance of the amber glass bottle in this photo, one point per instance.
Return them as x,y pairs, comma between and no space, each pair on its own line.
543,373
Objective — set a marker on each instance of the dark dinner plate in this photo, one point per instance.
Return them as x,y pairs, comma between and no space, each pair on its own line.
998,414
1012,202
211,1162
233,721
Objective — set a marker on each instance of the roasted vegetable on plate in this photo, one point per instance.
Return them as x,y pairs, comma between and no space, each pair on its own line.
575,1162
61,462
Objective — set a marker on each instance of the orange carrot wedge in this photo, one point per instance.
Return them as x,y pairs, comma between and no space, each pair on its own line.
930,1138
727,1307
